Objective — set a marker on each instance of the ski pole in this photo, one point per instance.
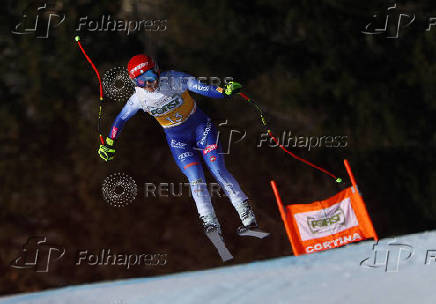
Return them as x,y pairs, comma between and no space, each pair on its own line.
77,38
259,109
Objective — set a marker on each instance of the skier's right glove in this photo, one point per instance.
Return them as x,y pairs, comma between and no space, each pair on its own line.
107,151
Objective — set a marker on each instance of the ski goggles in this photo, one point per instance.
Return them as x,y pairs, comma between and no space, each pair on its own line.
149,76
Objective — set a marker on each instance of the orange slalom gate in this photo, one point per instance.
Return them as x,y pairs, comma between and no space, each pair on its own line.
331,223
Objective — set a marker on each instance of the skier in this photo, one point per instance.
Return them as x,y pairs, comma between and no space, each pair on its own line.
190,133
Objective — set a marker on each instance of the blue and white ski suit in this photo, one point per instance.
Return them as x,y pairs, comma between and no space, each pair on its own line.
190,133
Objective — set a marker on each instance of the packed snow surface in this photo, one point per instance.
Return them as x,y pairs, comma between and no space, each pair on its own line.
339,275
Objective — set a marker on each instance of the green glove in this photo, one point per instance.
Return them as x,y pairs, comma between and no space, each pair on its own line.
231,88
107,151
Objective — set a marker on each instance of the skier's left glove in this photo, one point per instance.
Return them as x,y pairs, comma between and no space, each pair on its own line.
107,151
231,88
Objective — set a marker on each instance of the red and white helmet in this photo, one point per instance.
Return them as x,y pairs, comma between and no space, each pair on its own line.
140,64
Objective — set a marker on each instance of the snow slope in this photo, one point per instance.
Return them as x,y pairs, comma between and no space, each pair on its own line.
333,276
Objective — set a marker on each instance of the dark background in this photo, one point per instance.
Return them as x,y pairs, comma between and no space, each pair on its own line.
305,62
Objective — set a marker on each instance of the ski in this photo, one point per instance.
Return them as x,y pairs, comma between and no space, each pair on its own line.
216,239
252,231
